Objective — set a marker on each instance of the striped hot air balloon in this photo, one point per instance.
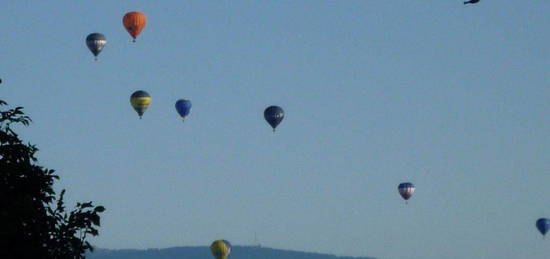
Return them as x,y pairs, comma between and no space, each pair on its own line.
96,42
134,22
220,249
140,101
406,190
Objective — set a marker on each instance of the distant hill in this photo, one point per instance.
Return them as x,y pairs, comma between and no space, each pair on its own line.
203,252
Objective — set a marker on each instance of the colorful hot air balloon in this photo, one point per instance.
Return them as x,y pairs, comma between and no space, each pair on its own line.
406,190
140,100
274,115
96,42
134,22
220,249
183,106
543,225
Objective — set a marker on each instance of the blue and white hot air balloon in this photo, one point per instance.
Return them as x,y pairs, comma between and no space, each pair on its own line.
96,42
406,190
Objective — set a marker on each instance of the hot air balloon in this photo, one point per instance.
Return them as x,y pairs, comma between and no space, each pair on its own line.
220,249
96,42
406,190
134,22
183,106
543,225
140,100
274,115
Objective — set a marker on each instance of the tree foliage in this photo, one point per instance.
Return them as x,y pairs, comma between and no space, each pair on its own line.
34,222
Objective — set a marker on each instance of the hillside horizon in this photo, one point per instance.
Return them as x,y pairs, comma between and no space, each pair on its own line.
203,252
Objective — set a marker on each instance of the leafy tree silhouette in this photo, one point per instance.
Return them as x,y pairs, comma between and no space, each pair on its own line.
34,222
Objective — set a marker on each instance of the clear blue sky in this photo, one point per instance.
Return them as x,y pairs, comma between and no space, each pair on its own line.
453,98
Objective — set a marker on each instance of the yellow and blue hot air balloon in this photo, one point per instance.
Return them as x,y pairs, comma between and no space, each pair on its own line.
220,249
140,100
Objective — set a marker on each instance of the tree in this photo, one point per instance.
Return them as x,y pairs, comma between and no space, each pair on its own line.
34,222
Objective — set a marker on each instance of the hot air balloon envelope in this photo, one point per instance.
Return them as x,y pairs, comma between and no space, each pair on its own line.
183,106
543,225
274,115
96,42
134,22
220,249
406,190
140,101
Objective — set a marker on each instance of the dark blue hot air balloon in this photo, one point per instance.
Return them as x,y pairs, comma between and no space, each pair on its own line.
183,106
274,115
543,225
96,42
406,190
